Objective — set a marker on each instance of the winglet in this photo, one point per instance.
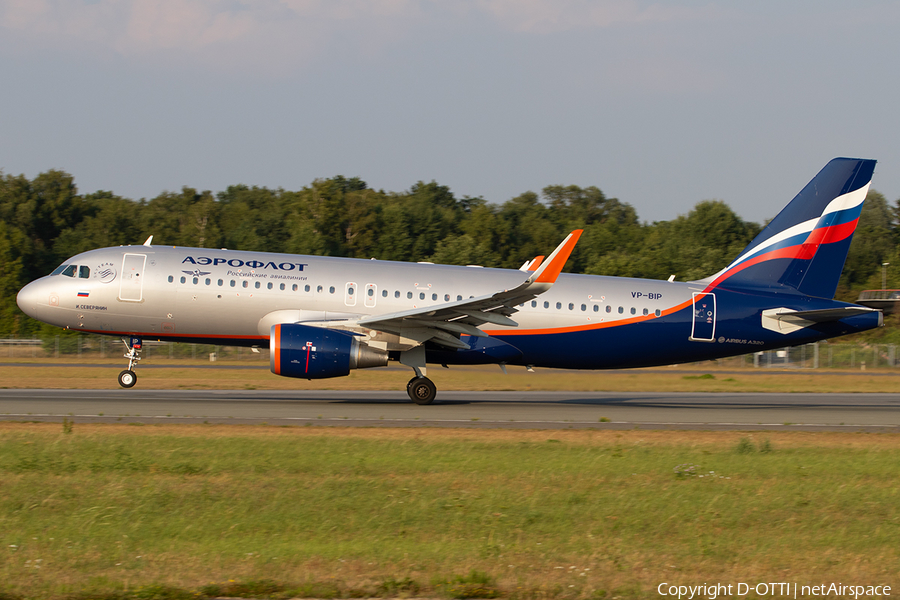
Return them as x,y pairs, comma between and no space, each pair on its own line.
553,266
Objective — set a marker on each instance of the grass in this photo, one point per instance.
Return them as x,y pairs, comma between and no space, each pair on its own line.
111,509
662,379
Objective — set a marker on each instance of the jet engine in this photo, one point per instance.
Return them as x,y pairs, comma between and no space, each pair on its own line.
318,353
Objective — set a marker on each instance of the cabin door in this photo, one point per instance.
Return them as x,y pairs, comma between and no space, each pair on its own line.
703,328
131,288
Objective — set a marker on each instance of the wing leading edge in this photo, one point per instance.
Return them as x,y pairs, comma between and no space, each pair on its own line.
444,323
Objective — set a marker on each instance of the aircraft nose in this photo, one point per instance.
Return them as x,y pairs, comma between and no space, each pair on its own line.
27,299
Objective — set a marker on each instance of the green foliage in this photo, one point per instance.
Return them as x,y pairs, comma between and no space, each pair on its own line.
150,592
397,588
477,584
254,588
745,446
44,220
291,505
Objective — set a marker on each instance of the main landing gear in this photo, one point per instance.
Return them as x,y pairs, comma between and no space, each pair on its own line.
421,390
128,377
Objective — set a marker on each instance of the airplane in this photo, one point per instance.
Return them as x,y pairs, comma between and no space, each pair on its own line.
324,316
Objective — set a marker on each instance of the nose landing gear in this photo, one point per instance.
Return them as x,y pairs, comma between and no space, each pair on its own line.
128,377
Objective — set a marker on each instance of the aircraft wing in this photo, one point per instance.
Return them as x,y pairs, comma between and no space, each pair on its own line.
444,323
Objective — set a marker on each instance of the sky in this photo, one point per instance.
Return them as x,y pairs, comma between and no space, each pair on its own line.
659,104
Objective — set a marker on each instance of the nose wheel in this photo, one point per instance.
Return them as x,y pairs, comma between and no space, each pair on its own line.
421,390
128,377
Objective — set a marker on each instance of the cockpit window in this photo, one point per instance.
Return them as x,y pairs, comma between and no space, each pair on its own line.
58,269
84,272
69,271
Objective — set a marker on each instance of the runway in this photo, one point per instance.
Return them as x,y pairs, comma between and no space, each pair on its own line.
518,410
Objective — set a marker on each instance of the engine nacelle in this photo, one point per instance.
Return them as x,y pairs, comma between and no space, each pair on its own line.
318,353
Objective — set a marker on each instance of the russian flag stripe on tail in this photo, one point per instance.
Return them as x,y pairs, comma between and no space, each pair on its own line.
805,246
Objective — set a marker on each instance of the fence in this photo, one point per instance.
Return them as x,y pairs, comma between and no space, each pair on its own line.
91,347
820,355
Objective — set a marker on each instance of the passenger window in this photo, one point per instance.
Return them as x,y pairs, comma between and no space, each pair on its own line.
281,287
633,310
270,285
433,297
220,282
596,308
646,311
245,283
657,312
84,272
583,307
621,310
183,279
294,288
208,281
534,304
69,271
571,306
458,298
409,295
608,308
331,290
546,304
371,292
232,282
257,285
384,293
421,295
446,297
171,279
558,305
195,280
305,288
319,289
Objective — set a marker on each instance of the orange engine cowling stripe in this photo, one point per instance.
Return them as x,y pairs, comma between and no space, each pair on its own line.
276,350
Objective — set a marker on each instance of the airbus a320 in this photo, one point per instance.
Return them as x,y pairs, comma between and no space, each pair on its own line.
322,316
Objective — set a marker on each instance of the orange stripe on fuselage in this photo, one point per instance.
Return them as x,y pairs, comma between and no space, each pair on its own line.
589,326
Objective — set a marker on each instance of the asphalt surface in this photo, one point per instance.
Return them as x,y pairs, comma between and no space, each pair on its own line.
518,410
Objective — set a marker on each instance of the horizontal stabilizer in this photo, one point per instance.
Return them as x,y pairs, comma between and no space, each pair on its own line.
784,320
826,314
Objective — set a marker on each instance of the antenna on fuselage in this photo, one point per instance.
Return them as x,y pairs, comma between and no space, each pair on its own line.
149,239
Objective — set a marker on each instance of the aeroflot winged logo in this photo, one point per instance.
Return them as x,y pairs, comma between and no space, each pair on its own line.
253,264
